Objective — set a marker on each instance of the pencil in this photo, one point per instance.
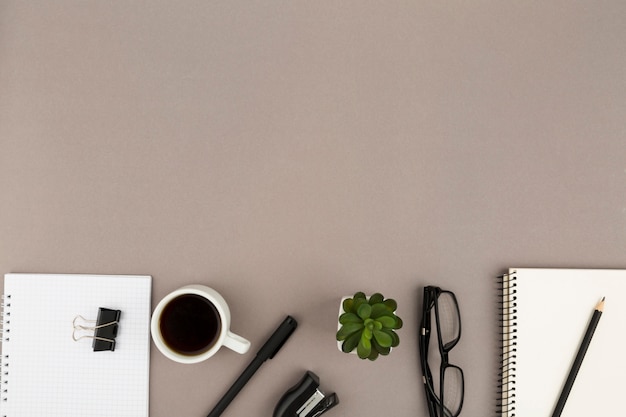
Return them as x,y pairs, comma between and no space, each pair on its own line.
595,318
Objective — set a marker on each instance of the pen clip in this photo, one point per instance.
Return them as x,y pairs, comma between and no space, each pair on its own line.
285,330
277,339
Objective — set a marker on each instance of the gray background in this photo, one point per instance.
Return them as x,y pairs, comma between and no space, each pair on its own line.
289,153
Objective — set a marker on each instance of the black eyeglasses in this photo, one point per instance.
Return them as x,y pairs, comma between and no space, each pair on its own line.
445,391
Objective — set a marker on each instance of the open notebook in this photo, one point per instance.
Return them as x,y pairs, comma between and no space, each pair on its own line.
545,316
45,372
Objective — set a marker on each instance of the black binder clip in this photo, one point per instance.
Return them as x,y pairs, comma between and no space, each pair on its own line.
305,399
104,330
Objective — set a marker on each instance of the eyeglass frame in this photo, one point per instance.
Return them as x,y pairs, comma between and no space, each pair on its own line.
436,407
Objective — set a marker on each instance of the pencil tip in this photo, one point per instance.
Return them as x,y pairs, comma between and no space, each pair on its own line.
600,305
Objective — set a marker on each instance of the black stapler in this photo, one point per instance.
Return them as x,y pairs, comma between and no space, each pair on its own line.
305,399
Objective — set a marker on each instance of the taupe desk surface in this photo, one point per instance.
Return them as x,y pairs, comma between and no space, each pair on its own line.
288,154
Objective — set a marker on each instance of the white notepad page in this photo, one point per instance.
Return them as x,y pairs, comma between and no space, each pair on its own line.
47,373
554,307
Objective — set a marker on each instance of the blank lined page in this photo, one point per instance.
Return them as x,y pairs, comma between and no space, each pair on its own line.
50,374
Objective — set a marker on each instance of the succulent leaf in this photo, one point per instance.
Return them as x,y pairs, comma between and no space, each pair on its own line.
347,329
388,322
373,354
379,348
364,311
360,295
394,336
391,304
376,298
379,310
367,333
351,342
357,303
364,348
349,318
383,338
348,305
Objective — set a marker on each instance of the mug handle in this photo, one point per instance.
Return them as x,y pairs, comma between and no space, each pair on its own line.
236,342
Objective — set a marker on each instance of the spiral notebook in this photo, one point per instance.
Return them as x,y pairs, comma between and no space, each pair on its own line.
545,313
45,372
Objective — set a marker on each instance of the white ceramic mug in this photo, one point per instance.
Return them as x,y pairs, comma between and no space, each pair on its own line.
224,337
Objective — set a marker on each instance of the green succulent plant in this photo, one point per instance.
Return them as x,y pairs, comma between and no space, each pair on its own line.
368,325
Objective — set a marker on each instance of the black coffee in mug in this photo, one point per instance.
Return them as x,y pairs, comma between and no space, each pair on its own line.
190,324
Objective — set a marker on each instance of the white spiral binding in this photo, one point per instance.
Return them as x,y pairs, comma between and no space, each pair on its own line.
508,345
6,332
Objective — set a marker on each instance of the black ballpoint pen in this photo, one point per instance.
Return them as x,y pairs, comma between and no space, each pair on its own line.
267,351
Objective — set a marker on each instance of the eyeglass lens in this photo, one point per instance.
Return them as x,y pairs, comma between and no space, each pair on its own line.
448,320
453,390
